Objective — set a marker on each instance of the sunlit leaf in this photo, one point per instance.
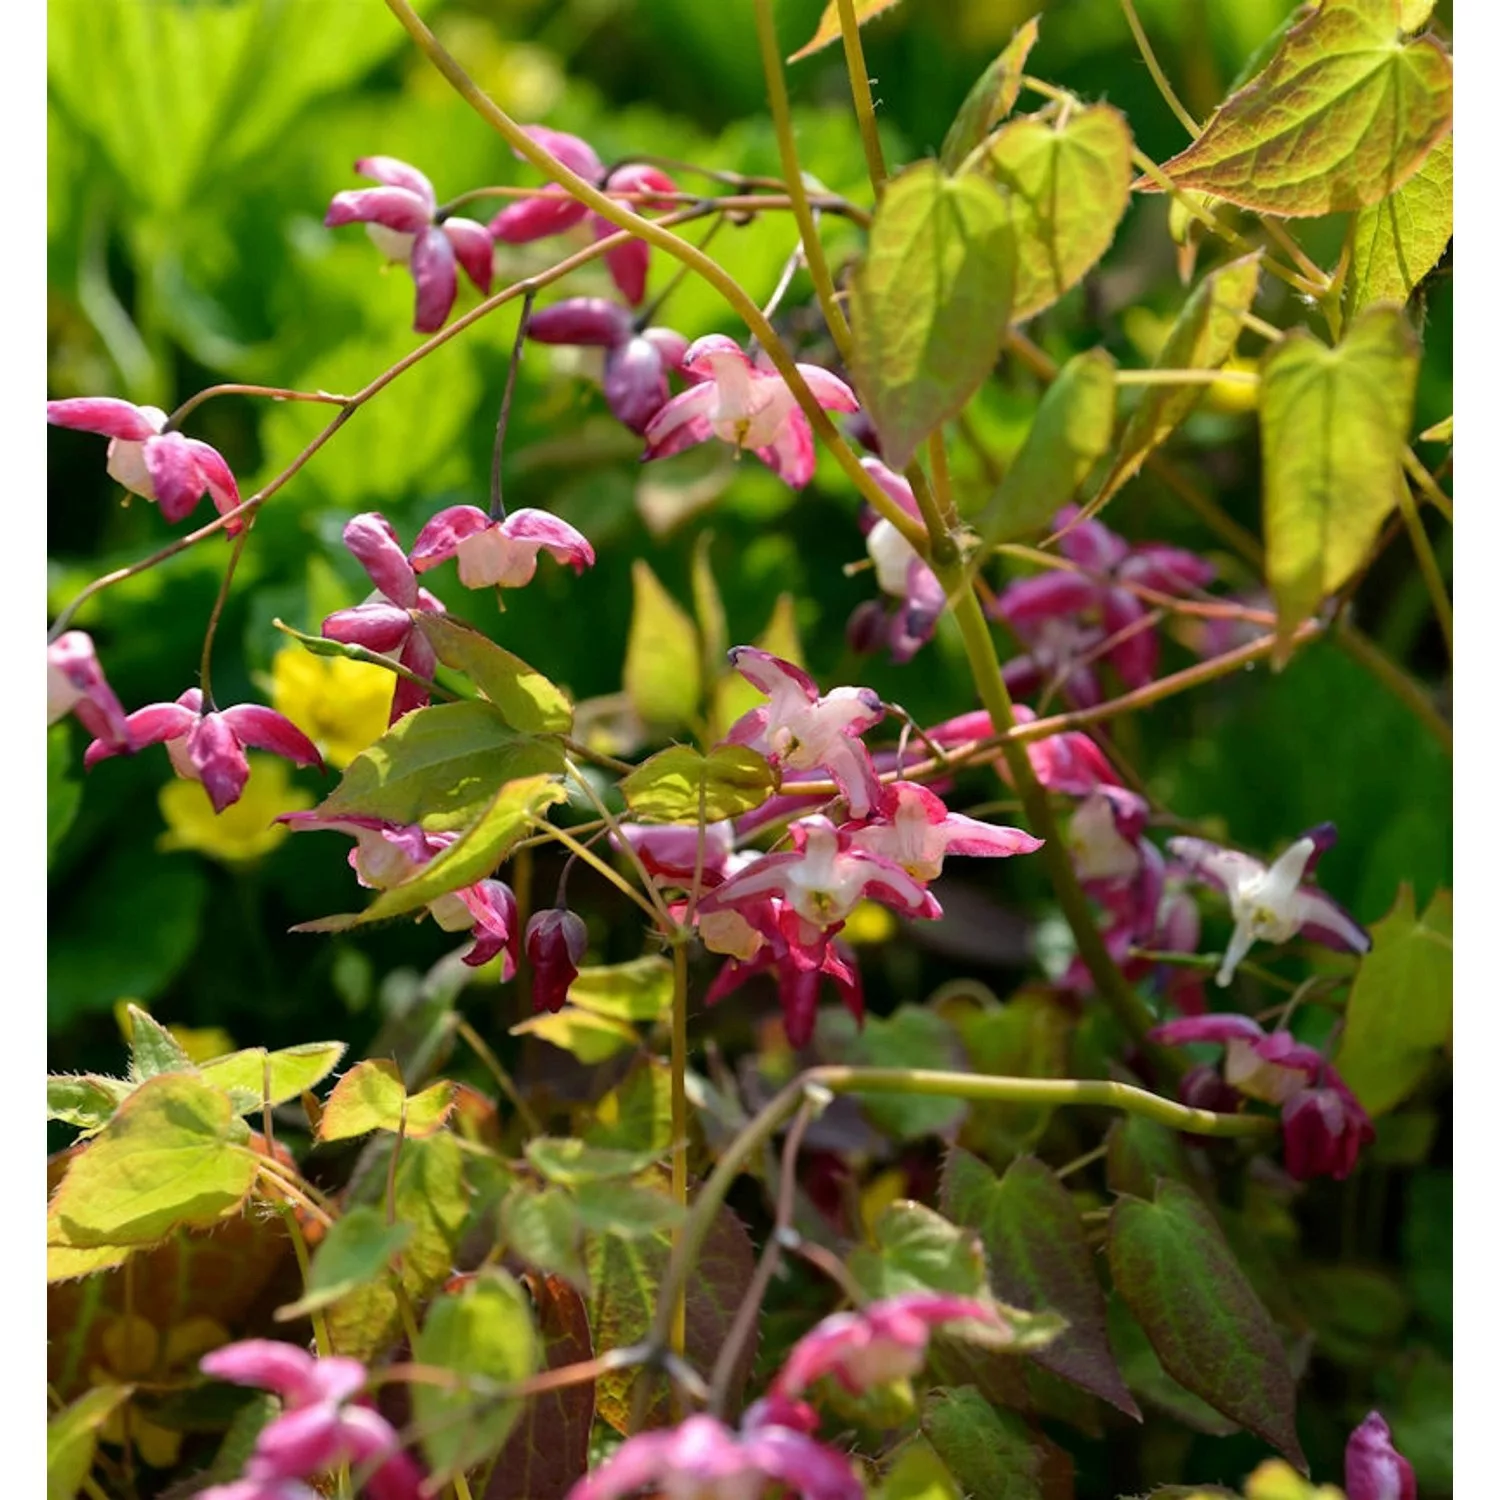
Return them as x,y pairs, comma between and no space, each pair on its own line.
930,303
84,1099
626,1209
708,605
992,97
830,29
572,1162
357,1250
590,1038
1401,1005
917,1473
640,990
1333,430
153,1049
1069,180
528,701
72,1436
372,1096
544,1229
1340,117
287,1073
1398,240
679,783
917,1250
663,668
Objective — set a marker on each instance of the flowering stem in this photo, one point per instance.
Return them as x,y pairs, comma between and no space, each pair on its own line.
1158,77
679,1119
497,499
1427,484
275,392
482,1050
839,1079
1427,564
659,235
304,1265
657,907
1186,377
864,103
588,856
205,666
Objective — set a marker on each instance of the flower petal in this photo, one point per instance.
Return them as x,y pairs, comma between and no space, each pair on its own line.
475,250
590,321
770,673
393,207
398,174
268,1363
530,219
372,540
108,416
685,420
433,270
566,543
377,626
438,540
791,453
176,477
832,393
572,151
264,729
219,481
1047,596
635,384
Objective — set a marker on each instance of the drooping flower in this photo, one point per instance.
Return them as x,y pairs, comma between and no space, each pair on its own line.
636,363
881,1343
671,853
76,685
913,828
320,1426
801,730
173,470
552,213
401,217
704,1460
1373,1469
210,747
901,573
502,553
746,404
1323,1130
1270,903
556,940
1069,762
384,621
385,854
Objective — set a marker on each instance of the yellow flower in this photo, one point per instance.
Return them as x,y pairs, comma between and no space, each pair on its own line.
1276,1479
242,832
869,923
341,705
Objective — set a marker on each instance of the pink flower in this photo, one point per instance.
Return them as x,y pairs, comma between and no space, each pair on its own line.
401,217
901,573
384,621
556,941
884,1342
636,364
914,829
1373,1469
166,467
1270,903
386,854
210,747
1323,1130
537,218
704,1460
800,730
76,685
319,1428
670,854
1069,762
747,405
502,553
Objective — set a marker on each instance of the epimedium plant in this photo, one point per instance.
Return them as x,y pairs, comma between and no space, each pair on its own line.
532,1293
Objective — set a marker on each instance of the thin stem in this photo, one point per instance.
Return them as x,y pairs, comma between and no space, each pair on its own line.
205,665
1427,484
275,392
679,1118
657,907
864,103
1209,963
647,315
482,1050
1163,87
321,1335
1427,564
781,118
1362,649
1186,377
1086,1160
497,498
352,652
588,856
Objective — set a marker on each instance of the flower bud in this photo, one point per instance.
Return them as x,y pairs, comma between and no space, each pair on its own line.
1323,1130
1373,1470
556,941
580,320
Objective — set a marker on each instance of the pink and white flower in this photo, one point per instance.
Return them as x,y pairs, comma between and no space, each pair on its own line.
1373,1469
384,621
746,404
552,213
801,730
76,685
210,747
173,470
321,1425
913,828
901,573
499,553
401,217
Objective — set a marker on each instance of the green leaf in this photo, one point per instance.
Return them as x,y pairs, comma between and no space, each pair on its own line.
72,1436
1070,432
830,29
172,1157
1414,13
528,701
625,1275
675,785
371,1096
545,1230
663,668
1340,117
153,1049
483,1329
288,1072
1398,240
509,817
1401,1006
1439,432
590,1038
571,1162
430,1195
930,303
990,100
441,766
1333,428
1144,1375
1177,1275
1139,1151
708,605
625,1209
917,1250
911,1037
637,1116
1202,338
1039,1259
356,1251
84,1099
989,1452
918,1474
64,791
640,990
1069,180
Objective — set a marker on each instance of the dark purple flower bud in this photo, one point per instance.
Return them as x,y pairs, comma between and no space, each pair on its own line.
1203,1088
635,382
581,320
556,941
1373,1470
1323,1130
867,627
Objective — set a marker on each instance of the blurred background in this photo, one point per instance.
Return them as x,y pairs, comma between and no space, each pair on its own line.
192,151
